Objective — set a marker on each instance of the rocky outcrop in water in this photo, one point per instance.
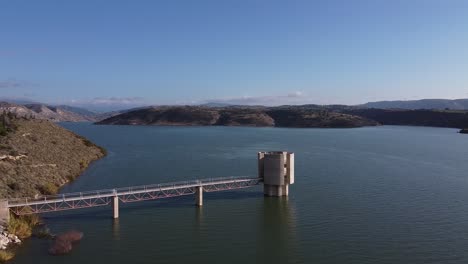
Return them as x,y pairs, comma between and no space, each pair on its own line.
63,243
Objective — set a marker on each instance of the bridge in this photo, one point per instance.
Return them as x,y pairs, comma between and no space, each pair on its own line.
275,171
70,201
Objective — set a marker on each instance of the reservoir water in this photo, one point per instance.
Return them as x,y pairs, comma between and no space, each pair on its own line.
368,195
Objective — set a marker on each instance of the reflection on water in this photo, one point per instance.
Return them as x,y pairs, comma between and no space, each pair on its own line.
277,232
116,229
198,216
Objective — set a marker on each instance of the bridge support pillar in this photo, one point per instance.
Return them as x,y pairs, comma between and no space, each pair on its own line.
4,212
276,168
115,206
276,190
199,196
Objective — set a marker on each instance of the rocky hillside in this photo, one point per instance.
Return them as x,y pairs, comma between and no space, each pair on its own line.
52,113
59,113
435,118
303,117
457,104
37,156
17,110
238,116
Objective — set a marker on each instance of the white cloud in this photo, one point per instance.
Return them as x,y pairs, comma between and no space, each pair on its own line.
296,94
110,101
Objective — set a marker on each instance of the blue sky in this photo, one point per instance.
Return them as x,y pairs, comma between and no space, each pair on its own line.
270,52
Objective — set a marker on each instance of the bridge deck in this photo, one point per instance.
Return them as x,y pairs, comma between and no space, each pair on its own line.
69,201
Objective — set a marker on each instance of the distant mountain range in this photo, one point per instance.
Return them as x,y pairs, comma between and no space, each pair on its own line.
60,113
426,112
457,104
53,113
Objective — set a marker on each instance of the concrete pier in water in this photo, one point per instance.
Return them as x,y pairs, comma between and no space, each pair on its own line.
199,196
115,206
276,168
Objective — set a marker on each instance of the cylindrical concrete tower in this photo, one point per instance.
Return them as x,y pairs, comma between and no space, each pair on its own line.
276,168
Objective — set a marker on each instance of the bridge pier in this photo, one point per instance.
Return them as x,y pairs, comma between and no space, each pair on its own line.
199,196
4,212
276,190
276,168
115,206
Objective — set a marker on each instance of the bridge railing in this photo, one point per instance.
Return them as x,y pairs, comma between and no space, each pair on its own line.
122,190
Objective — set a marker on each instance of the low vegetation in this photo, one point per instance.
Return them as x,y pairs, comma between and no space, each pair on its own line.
6,255
37,157
6,123
48,188
22,226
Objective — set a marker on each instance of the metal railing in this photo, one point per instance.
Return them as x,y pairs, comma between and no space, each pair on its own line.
68,201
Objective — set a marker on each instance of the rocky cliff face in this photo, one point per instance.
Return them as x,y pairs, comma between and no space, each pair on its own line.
58,114
37,157
238,116
18,110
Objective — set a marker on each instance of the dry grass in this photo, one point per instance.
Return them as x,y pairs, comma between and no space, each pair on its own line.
22,226
54,156
48,188
6,255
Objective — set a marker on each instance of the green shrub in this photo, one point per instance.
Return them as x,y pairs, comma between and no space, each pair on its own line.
83,164
48,188
5,147
22,226
14,153
70,177
87,142
13,185
3,131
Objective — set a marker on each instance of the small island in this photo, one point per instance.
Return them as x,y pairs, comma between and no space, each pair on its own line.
464,131
255,116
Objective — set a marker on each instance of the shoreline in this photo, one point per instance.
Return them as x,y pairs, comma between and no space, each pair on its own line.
10,242
45,157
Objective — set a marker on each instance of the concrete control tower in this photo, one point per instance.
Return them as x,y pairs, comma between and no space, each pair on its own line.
276,168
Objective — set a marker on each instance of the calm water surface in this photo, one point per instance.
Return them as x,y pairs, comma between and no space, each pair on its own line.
368,195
